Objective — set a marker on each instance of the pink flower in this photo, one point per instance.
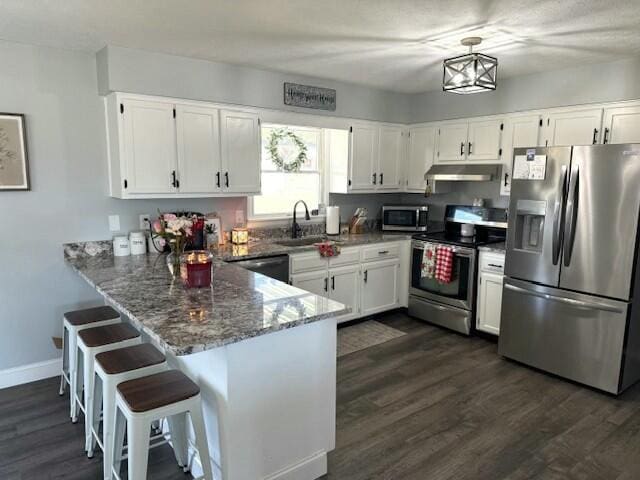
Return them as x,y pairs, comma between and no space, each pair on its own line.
168,217
157,226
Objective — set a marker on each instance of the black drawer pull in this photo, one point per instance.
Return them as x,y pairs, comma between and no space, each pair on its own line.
494,265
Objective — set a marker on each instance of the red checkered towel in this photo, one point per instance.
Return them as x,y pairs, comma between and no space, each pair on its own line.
444,264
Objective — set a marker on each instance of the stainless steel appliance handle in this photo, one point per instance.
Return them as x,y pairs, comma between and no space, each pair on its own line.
459,251
572,214
558,214
567,301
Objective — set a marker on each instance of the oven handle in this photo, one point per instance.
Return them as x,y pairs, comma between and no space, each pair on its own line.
459,251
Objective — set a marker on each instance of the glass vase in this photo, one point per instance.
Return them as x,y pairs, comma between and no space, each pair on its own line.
173,259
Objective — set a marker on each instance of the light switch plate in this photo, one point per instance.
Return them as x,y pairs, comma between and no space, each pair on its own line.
239,217
114,223
144,221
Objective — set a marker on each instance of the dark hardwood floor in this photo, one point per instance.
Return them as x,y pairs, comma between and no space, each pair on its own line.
428,405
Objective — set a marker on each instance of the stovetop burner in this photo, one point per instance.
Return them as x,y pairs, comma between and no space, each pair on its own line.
456,239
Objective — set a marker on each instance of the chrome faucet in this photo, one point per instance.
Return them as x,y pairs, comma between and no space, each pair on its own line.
296,231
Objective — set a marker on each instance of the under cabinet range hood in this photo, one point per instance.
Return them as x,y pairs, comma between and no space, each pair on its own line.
463,173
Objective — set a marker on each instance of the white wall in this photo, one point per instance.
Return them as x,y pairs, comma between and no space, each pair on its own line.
57,91
136,71
573,86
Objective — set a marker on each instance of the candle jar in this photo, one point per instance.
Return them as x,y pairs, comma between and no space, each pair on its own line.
195,268
239,236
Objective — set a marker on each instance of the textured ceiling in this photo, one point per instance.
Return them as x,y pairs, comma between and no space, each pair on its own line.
391,44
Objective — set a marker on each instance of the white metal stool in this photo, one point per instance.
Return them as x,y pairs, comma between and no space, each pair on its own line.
112,368
72,323
139,402
91,342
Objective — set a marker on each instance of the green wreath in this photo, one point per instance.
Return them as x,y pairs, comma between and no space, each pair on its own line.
276,136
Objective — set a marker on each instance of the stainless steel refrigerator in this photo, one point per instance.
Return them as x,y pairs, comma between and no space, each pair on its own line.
571,295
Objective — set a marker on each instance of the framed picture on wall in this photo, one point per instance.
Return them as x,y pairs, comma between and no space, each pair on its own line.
14,165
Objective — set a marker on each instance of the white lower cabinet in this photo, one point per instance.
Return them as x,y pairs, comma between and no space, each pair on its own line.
380,290
489,299
368,284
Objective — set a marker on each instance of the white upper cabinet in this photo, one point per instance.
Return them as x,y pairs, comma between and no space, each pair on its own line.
574,127
519,131
621,125
198,149
364,157
390,154
452,142
484,140
240,138
422,142
149,147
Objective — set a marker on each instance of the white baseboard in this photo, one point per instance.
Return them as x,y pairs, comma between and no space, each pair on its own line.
30,373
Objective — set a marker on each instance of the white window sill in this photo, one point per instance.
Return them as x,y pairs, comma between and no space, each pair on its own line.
278,221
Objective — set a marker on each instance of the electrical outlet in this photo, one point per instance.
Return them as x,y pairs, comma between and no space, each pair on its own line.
114,223
240,217
144,219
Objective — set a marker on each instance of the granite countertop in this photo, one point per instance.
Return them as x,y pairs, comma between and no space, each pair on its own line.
494,247
239,305
268,247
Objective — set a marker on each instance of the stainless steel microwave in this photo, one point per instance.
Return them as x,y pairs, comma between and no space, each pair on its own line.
405,218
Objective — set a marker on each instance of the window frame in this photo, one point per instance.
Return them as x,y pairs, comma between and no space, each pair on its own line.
324,190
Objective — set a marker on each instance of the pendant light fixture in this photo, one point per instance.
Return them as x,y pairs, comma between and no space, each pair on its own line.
470,73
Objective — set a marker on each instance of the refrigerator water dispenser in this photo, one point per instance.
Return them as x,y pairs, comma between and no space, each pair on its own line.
529,232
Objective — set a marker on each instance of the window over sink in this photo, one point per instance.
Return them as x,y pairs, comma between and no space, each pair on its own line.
291,170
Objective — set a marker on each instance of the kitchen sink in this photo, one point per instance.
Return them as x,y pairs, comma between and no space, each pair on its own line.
300,242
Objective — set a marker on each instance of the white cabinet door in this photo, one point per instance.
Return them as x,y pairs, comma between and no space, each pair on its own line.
363,153
520,131
580,127
379,286
149,147
421,150
484,140
622,125
198,149
489,302
240,140
389,158
315,282
452,142
344,285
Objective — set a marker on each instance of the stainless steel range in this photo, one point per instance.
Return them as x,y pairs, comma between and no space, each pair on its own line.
451,304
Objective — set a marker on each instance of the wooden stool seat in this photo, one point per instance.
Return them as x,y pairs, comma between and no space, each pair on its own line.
91,315
98,336
126,359
155,391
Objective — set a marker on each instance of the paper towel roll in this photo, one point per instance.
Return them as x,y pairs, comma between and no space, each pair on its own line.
333,220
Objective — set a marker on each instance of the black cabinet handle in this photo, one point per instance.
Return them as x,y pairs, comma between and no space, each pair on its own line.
326,284
461,148
366,276
173,179
469,151
506,177
333,282
606,136
375,176
595,134
226,179
494,265
381,178
218,179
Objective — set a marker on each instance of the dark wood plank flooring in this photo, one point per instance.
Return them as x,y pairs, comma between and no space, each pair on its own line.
428,405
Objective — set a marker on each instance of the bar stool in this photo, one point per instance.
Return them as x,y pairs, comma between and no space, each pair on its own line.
72,323
112,368
91,342
139,402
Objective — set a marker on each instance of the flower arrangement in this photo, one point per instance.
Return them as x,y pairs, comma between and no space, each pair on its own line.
176,231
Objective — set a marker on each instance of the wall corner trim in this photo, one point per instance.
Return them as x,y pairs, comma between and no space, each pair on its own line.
30,373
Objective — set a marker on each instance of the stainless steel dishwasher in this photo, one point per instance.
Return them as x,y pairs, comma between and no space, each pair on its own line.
276,267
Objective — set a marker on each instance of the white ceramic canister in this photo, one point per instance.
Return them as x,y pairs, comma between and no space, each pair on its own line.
138,243
121,247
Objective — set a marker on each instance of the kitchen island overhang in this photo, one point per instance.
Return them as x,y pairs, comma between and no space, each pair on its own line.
262,351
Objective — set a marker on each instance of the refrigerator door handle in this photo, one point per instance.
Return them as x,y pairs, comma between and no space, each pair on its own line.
558,214
572,214
568,301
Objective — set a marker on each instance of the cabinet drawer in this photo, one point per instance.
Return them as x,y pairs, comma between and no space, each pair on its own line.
492,262
304,262
380,251
347,256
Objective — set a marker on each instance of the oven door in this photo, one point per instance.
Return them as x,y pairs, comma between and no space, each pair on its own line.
400,219
457,293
